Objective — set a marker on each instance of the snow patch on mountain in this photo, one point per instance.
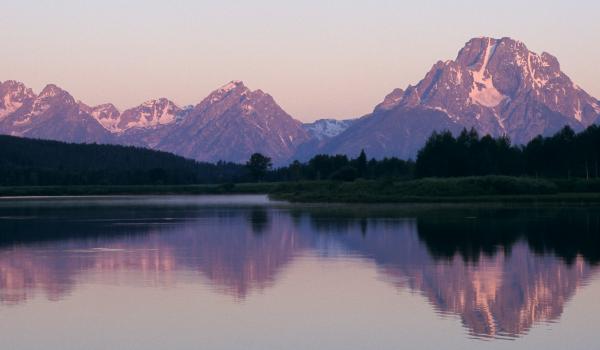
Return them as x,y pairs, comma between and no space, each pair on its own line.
327,128
9,105
150,114
12,97
484,92
224,91
230,86
578,112
107,115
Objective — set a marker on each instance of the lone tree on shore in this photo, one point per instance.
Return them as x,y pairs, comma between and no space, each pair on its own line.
258,165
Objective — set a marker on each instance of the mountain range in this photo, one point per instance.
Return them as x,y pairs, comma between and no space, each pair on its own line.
497,86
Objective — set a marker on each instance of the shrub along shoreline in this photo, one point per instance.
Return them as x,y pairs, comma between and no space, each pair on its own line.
446,190
487,189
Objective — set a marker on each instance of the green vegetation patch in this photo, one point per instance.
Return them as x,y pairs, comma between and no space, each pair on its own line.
486,188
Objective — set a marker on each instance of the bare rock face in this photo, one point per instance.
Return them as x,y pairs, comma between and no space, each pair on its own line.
232,123
496,86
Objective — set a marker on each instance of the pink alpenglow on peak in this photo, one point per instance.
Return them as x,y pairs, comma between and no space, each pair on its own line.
53,114
232,123
13,95
150,114
497,86
231,85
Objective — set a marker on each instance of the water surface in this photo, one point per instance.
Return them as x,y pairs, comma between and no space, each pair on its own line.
242,272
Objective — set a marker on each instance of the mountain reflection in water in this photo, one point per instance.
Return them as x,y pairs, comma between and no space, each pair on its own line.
501,271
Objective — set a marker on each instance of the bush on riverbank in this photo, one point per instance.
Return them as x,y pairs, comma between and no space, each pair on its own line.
381,191
467,189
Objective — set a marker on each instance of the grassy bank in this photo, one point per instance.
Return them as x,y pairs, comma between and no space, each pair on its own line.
447,190
432,190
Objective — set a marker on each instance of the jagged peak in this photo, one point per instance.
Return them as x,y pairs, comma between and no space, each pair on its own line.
52,90
473,53
487,39
234,84
233,88
106,106
550,60
479,54
13,83
17,87
391,100
158,102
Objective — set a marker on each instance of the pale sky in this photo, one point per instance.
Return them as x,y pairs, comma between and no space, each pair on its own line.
317,58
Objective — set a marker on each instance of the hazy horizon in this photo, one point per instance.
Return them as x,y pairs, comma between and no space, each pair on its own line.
338,61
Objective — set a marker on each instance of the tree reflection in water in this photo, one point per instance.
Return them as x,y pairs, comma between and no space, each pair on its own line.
500,270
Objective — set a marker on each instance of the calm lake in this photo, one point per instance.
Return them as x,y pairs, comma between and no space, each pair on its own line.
242,272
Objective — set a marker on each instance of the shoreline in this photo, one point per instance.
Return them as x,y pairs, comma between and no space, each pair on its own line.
295,198
141,190
490,189
567,198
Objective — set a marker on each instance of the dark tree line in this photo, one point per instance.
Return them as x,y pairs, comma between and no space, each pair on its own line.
564,155
342,168
39,163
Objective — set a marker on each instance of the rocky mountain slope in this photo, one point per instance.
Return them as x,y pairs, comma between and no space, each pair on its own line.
496,86
230,124
53,114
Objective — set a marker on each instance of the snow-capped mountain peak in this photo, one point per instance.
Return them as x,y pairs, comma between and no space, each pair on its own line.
232,123
149,114
106,114
53,114
12,96
488,80
483,91
52,96
497,86
235,87
51,90
327,128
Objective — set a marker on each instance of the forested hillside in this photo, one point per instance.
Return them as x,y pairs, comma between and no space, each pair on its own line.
40,163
